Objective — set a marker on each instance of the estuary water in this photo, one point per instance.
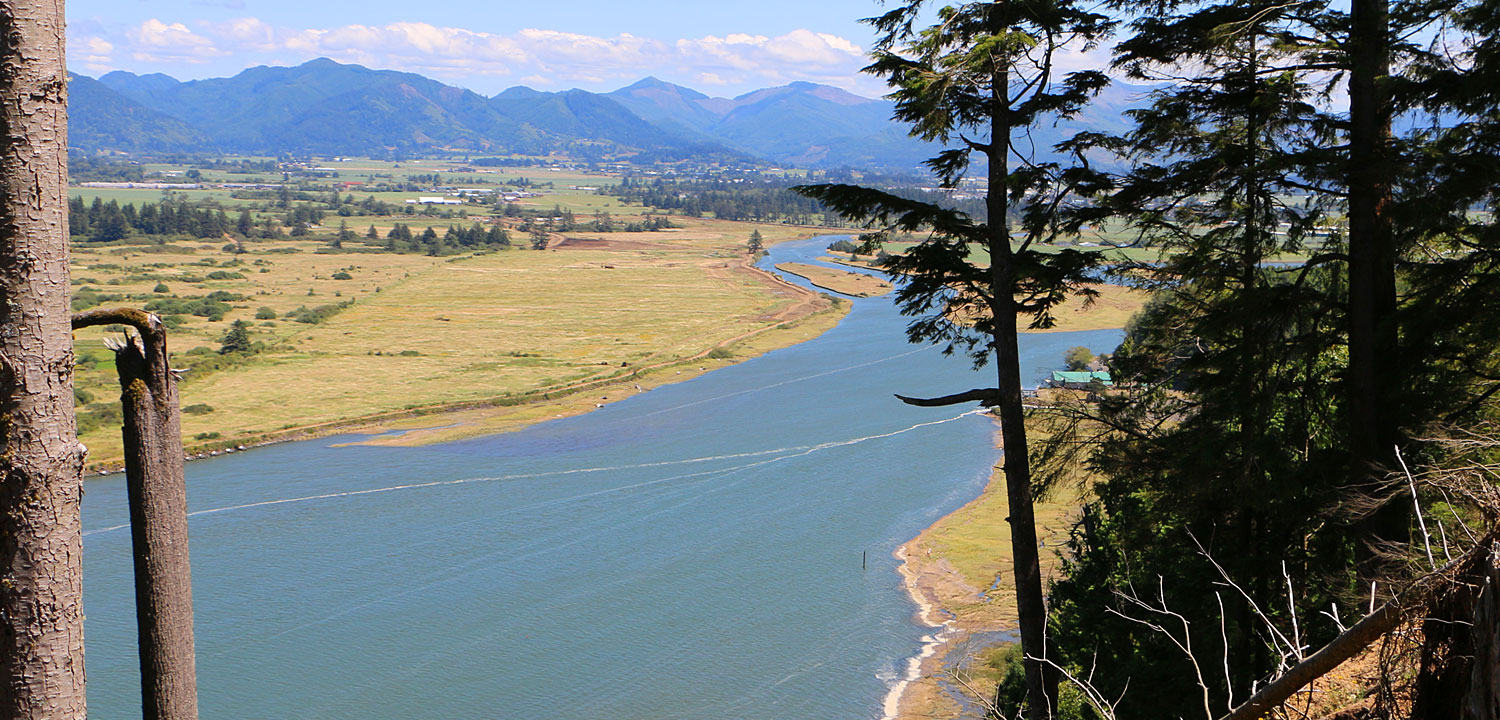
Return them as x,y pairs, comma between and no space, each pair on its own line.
718,548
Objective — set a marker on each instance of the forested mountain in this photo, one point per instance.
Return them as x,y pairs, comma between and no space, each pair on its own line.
327,107
115,122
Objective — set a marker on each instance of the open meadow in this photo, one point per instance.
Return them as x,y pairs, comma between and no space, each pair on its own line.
341,337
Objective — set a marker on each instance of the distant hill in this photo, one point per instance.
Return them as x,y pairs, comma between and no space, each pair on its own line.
330,108
799,124
327,107
113,122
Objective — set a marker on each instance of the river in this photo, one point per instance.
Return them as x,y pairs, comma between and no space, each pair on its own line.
716,548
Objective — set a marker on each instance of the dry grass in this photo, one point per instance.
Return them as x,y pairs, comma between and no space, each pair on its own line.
847,283
424,333
1112,309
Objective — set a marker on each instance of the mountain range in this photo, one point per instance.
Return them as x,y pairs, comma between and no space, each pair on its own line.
330,108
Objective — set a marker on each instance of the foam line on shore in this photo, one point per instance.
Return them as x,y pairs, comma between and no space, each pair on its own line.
927,613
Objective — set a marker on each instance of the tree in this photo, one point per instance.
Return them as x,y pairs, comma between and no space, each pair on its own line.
41,614
756,244
979,76
236,339
344,235
1078,358
152,431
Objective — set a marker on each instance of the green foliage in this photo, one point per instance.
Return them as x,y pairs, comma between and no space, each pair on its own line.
81,397
265,313
237,339
207,307
161,288
844,246
225,275
197,409
1078,358
756,244
313,316
341,275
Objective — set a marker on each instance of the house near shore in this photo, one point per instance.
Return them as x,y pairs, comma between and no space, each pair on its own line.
1081,380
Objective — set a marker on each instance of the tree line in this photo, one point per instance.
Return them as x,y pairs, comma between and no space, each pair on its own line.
1293,448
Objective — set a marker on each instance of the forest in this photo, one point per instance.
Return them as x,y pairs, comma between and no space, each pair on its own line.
1297,465
1296,469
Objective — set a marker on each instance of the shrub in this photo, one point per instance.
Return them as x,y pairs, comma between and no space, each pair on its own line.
161,287
341,275
198,409
265,313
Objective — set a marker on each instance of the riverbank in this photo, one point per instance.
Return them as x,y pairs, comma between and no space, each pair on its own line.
486,343
958,572
839,281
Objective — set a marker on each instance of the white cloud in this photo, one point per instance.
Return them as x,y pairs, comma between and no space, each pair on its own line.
156,41
561,57
96,52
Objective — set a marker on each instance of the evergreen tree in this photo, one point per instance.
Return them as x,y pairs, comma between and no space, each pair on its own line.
756,244
978,77
236,339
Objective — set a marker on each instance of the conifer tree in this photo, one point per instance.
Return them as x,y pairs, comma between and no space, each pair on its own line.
978,78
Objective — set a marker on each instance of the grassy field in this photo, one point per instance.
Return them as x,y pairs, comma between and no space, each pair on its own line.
1112,309
422,333
847,283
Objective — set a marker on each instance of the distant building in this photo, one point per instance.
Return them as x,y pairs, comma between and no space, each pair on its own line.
1079,380
439,200
142,185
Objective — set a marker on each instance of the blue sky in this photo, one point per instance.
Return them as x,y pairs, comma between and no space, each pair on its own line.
721,48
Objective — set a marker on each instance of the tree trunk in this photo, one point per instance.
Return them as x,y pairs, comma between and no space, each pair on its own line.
1482,700
41,548
1031,610
158,516
1372,270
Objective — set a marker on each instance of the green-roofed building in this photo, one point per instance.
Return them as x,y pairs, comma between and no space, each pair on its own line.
1079,380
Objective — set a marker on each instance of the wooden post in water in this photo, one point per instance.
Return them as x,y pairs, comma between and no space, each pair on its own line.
158,515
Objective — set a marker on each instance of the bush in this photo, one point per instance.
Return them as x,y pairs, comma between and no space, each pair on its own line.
82,397
225,275
341,275
161,287
313,316
198,409
1077,358
265,313
207,436
844,246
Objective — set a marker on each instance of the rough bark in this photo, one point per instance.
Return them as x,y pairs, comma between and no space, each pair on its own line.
41,598
1482,700
1031,610
158,516
1372,271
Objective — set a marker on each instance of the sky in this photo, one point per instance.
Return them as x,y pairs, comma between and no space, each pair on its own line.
723,48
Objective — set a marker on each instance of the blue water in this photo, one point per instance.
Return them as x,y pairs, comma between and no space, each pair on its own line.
691,552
